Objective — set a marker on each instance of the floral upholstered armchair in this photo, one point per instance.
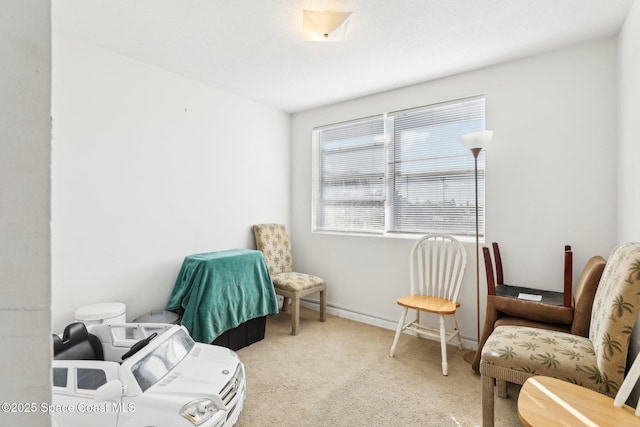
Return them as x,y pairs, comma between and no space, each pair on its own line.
515,353
574,319
273,241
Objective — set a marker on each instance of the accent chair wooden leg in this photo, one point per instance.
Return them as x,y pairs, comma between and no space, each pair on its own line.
295,316
398,331
285,303
487,401
443,346
323,305
501,388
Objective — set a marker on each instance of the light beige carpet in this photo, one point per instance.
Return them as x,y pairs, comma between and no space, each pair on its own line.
339,373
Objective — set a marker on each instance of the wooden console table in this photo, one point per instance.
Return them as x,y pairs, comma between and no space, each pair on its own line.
546,401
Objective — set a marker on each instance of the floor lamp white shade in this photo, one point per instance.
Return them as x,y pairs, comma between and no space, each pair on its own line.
476,141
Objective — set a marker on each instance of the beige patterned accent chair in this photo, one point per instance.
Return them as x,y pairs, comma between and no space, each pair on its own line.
576,319
273,241
515,353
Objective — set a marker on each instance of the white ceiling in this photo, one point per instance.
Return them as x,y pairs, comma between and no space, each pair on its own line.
253,48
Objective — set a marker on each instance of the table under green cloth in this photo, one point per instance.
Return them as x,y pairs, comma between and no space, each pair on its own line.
218,291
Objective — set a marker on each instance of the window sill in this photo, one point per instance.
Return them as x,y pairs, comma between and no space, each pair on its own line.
401,236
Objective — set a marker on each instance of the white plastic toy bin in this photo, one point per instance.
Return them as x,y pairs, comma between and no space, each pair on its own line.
106,312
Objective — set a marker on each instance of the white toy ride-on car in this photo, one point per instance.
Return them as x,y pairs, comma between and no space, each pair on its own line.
147,374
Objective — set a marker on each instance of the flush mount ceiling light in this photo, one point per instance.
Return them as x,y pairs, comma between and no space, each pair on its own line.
324,25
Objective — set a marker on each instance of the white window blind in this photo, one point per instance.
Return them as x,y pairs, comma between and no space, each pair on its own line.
432,174
349,172
418,179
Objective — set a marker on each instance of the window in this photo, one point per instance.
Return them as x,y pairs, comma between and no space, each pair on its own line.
59,377
90,379
402,172
350,190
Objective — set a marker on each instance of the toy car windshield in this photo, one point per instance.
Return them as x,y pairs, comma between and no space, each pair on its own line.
155,365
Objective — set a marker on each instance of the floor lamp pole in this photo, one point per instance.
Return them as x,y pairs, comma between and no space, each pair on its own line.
476,152
475,142
471,354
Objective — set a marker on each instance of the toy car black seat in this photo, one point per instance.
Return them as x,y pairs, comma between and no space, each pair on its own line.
77,344
57,344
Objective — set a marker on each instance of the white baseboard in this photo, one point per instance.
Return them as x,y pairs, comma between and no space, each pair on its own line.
469,344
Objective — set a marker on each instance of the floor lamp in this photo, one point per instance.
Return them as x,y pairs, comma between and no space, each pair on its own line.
476,141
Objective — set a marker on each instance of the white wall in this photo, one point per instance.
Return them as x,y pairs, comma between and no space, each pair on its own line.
550,179
629,147
629,128
149,167
25,254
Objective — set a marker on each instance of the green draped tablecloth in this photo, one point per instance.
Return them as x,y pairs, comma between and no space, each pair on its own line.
217,291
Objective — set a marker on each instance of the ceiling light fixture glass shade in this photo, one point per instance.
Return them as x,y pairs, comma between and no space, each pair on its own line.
478,139
324,25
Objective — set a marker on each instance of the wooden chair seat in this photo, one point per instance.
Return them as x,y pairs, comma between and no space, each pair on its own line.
429,304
